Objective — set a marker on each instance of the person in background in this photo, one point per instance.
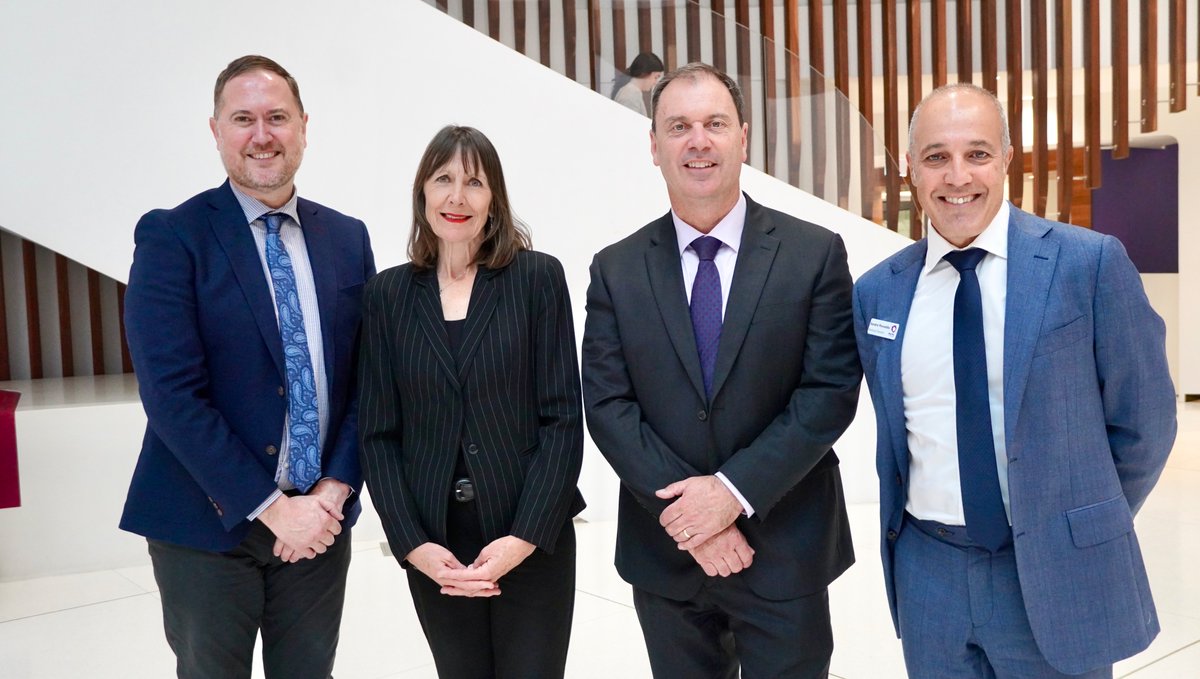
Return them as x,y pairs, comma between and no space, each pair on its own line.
630,87
471,424
1024,412
242,315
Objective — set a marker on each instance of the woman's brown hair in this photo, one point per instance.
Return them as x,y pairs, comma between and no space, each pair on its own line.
503,235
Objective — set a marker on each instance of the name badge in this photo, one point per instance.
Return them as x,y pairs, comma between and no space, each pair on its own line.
884,329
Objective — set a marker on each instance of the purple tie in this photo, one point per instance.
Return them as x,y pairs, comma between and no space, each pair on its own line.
706,308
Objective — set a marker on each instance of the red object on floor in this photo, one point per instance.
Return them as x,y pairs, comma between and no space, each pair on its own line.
10,480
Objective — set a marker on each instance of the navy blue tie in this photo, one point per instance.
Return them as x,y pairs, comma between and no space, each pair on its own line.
983,505
706,307
304,453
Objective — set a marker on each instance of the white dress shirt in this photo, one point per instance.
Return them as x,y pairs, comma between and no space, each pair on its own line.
729,232
292,236
927,373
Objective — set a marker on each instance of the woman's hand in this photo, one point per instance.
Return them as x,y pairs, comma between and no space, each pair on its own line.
497,559
442,567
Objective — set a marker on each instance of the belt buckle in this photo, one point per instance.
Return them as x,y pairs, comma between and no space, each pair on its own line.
464,490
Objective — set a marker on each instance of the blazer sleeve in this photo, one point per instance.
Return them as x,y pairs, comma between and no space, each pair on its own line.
1135,385
639,456
342,461
169,357
551,478
820,408
380,427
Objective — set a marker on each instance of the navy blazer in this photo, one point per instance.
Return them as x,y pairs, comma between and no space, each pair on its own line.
507,401
785,387
1089,419
206,349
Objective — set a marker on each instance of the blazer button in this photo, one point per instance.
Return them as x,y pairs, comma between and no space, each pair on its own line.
701,415
891,535
473,449
899,481
271,450
281,391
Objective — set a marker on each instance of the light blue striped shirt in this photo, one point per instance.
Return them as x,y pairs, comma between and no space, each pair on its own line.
292,235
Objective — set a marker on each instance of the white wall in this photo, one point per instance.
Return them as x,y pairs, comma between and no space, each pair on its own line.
104,108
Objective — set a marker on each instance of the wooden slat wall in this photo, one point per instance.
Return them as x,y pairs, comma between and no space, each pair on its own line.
816,60
914,55
1149,52
1091,91
1120,78
773,93
65,340
1064,26
966,63
1040,57
792,68
718,34
841,80
937,22
987,45
33,316
891,112
866,109
95,322
1013,60
1177,54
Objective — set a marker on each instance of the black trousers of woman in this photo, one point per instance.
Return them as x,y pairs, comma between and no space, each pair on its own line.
520,634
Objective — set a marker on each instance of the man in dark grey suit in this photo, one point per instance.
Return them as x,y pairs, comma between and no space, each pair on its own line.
719,368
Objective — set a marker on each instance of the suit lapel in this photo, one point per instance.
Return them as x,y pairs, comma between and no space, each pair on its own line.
479,312
1031,261
318,242
894,304
666,283
228,223
756,253
432,322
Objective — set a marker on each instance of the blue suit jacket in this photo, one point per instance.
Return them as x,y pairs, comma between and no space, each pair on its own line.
202,332
1089,419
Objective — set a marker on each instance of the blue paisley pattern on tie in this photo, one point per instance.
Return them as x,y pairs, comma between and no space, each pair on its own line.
304,453
705,308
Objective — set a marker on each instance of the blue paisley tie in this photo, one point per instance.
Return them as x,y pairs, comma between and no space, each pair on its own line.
304,453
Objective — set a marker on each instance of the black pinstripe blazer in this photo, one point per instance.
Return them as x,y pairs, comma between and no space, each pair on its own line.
510,401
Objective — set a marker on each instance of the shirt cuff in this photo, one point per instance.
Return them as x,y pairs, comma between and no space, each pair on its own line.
746,508
275,496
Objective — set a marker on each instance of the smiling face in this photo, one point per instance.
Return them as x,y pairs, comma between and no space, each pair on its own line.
260,133
958,163
457,201
700,147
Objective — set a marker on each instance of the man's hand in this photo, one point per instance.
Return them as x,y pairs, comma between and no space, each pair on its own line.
455,579
705,507
332,490
724,554
304,526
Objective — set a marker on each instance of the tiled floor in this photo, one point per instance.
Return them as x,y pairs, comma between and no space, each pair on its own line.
106,625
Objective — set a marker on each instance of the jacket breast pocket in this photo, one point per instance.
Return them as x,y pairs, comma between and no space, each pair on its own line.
1100,522
1061,337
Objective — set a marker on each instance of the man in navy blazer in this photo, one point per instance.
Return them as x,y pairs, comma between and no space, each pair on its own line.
1047,581
237,543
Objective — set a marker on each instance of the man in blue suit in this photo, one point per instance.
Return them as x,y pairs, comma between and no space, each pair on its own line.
1024,413
242,317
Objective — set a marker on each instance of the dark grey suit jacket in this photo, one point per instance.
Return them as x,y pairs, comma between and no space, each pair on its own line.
785,387
509,401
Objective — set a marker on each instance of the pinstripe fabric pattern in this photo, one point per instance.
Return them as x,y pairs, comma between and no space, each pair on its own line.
510,401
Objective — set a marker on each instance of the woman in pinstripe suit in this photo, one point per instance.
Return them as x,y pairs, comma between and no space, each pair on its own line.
470,420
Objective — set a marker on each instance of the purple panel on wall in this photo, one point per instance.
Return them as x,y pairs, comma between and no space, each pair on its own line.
1138,202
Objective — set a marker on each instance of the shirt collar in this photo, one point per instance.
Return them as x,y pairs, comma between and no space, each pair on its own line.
994,240
254,208
728,230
